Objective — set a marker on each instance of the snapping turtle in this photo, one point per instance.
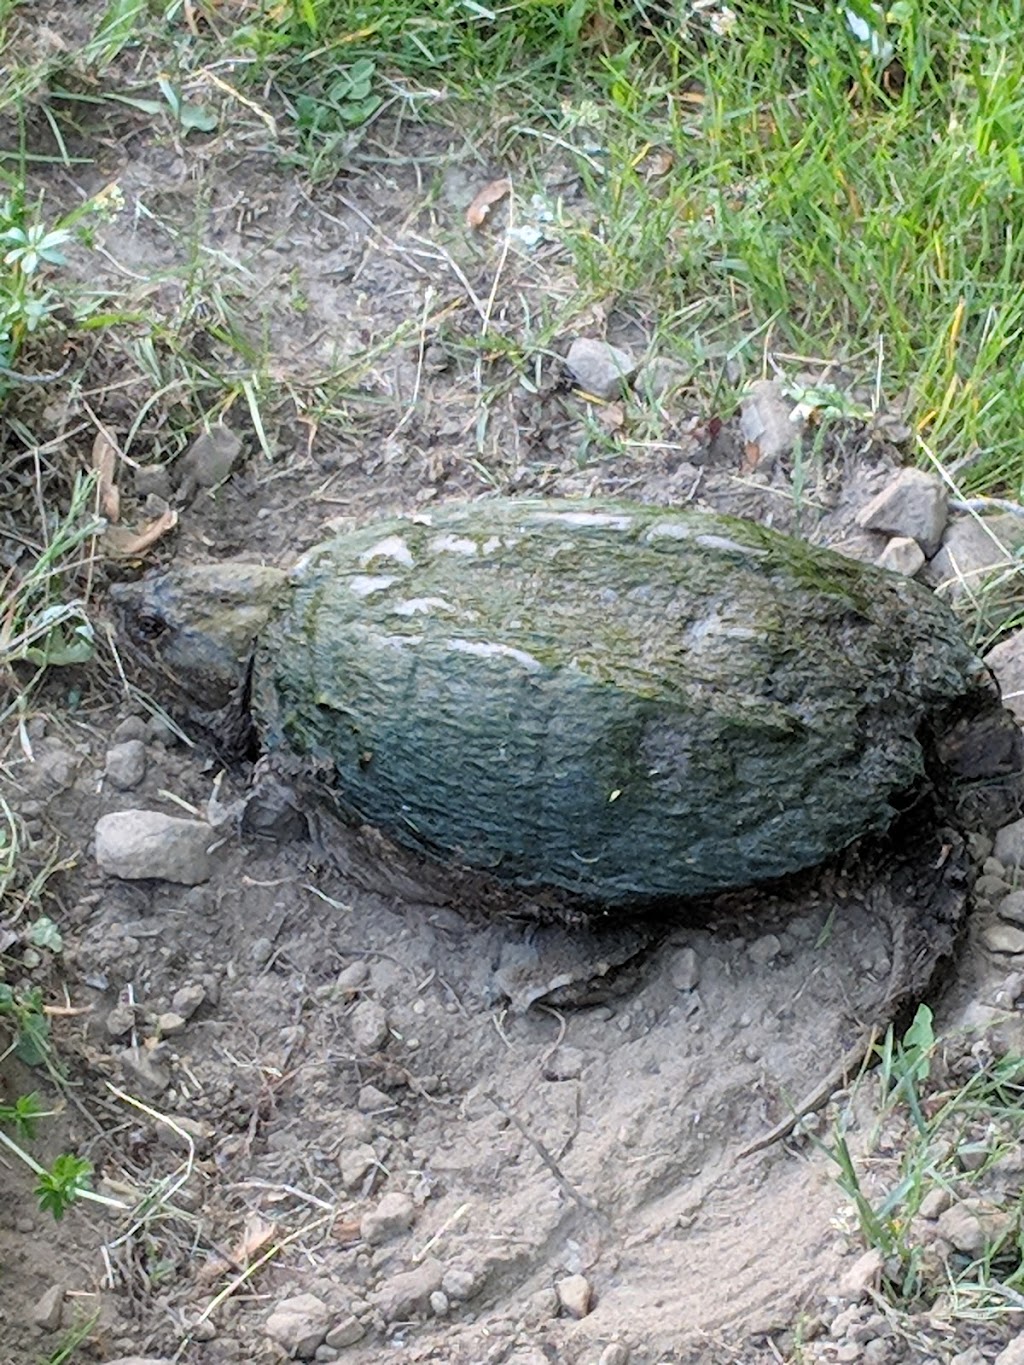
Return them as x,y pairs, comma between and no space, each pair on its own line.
624,702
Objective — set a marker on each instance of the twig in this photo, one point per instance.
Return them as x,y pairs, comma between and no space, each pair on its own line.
549,1161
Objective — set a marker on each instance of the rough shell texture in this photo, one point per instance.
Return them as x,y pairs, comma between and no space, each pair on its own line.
625,702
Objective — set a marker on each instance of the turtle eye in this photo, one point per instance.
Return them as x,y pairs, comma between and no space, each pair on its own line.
149,627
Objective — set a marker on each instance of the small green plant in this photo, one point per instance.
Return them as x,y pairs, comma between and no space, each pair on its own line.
326,122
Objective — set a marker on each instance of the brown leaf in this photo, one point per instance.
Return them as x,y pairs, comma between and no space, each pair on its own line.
612,416
658,162
476,214
104,461
255,1236
123,543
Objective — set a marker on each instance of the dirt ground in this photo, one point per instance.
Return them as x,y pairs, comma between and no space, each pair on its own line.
262,1058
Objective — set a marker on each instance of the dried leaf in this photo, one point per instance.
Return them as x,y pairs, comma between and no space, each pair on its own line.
123,543
476,214
612,416
104,461
255,1236
658,162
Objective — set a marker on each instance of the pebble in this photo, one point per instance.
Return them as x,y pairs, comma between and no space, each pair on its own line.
615,1353
459,1284
392,1216
990,888
143,1073
345,1332
600,368
1003,938
935,1202
169,1024
877,1352
300,1325
1009,844
684,969
369,1025
126,764
1006,661
770,430
211,456
261,950
187,999
352,977
564,1064
972,1225
1011,907
371,1099
409,1291
132,727
860,1278
574,1295
354,1162
439,1304
119,1021
915,504
46,1312
152,480
764,950
902,555
134,844
974,550
971,1156
158,731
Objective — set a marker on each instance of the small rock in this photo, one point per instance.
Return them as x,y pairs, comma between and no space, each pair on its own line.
345,1332
764,950
120,1020
990,889
459,1284
187,999
143,1073
878,1352
211,457
1003,938
159,731
299,1325
684,969
600,368
261,950
392,1216
1011,907
1009,844
349,980
132,727
169,1024
864,546
187,1134
134,844
860,1278
369,1024
915,504
902,555
126,764
152,480
564,1064
935,1202
354,1162
770,428
439,1304
46,1312
975,551
1012,1354
1006,661
849,1352
371,1099
971,1156
973,1225
409,1292
574,1295
614,1354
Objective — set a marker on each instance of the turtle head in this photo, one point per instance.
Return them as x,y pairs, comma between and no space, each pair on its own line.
197,625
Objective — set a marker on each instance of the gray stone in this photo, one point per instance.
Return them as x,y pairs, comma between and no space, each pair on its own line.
119,1021
300,1325
152,480
972,565
764,950
864,546
187,999
408,1293
600,368
1011,908
1009,845
1003,938
934,1203
914,504
902,555
345,1332
169,1024
769,428
990,889
126,764
211,457
352,977
134,844
574,1295
684,969
371,1100
354,1162
1006,661
615,1353
132,727
392,1216
369,1024
143,1073
459,1284
973,1225
439,1304
564,1064
1012,1353
46,1312
857,1281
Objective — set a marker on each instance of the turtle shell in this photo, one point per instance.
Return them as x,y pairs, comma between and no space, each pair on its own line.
622,701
